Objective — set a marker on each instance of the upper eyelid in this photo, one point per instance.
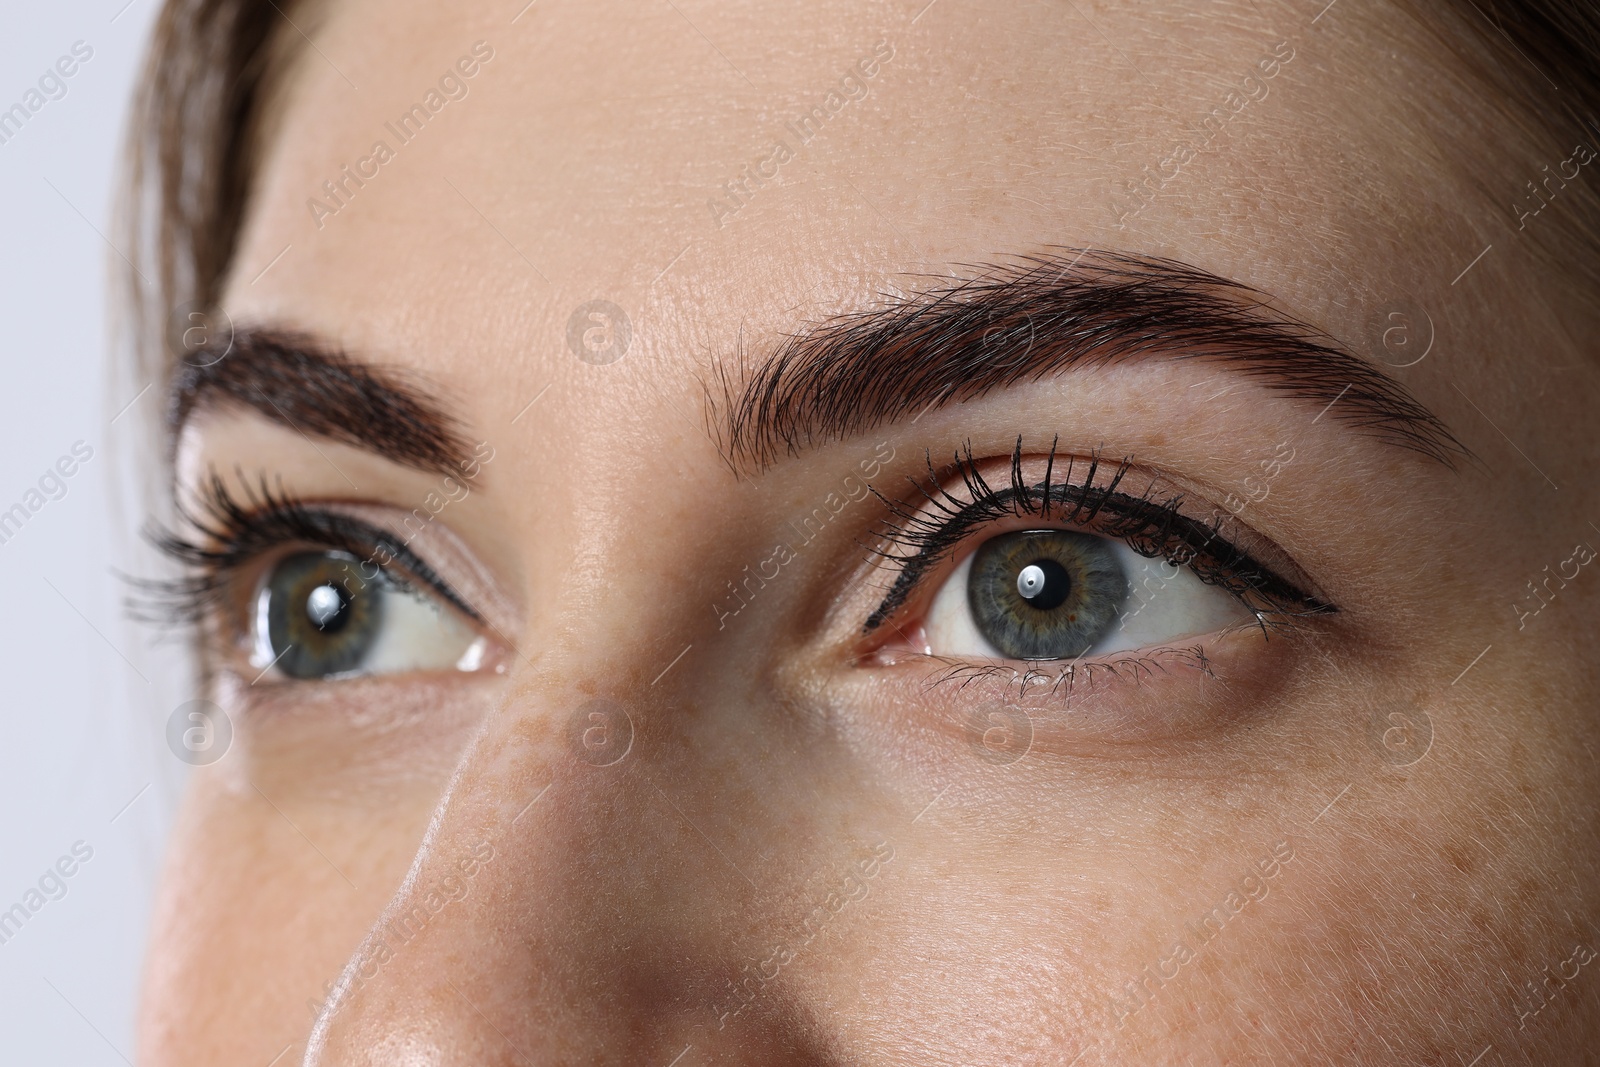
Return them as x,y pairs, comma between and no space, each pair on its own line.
218,515
406,560
959,525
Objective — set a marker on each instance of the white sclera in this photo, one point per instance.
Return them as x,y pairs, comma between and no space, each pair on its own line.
419,634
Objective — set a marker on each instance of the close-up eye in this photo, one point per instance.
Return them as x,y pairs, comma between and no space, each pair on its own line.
1072,559
309,592
316,617
1066,594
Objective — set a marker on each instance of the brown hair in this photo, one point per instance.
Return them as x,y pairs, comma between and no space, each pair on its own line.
193,145
196,135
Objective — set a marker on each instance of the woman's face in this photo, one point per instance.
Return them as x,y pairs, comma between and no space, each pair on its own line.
717,712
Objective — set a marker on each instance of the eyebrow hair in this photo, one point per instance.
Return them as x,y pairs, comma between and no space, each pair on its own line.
1037,317
299,382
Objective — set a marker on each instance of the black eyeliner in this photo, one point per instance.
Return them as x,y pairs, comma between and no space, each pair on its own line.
1154,528
221,534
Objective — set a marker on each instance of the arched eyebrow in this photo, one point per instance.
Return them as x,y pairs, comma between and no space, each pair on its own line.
309,386
1021,322
1034,318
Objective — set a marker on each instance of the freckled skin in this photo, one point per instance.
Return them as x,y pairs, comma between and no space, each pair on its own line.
706,890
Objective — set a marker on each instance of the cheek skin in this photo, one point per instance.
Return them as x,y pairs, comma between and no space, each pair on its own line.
1052,939
285,852
242,884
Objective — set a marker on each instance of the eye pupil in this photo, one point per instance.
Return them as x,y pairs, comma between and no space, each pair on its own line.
328,608
1044,584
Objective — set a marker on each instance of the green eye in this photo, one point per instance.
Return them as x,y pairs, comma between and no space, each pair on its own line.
317,617
1046,594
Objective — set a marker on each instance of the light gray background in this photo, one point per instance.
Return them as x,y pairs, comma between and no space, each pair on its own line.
83,728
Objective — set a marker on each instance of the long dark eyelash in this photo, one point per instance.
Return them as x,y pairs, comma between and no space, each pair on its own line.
220,533
1154,527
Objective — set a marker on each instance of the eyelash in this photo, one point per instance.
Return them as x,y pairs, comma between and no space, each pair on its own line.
1154,528
221,535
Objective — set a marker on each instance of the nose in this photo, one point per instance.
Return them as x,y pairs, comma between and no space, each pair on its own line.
578,898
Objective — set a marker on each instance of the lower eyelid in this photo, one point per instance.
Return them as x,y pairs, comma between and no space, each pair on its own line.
1132,706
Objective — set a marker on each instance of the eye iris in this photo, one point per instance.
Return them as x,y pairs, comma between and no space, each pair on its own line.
1046,594
321,619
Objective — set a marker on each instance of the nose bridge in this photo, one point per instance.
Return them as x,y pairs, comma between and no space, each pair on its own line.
569,903
606,874
454,968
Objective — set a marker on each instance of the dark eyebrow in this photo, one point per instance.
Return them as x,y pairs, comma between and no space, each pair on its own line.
1037,317
314,388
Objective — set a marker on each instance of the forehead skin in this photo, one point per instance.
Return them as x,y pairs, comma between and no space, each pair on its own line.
590,159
